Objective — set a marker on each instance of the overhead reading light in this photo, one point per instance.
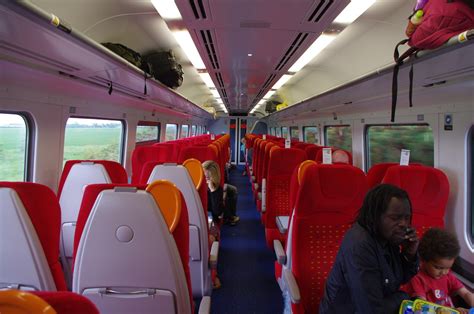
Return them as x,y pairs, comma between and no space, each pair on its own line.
318,45
207,80
282,81
187,45
353,10
167,9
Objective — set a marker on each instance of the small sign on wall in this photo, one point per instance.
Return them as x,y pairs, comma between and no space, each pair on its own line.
288,143
213,137
264,137
448,122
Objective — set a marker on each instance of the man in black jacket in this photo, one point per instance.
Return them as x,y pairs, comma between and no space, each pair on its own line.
377,255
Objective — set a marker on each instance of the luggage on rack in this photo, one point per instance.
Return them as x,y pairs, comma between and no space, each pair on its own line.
130,55
166,68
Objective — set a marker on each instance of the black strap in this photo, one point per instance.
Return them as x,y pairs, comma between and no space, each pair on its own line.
111,88
410,92
398,62
144,89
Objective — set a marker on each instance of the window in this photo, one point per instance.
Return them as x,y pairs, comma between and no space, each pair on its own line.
171,132
294,133
278,132
311,134
284,131
93,139
471,146
184,131
339,136
148,131
199,130
14,138
193,130
384,143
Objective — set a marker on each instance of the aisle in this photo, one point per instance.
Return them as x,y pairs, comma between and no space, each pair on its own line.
246,265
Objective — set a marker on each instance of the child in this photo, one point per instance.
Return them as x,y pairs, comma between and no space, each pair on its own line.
435,283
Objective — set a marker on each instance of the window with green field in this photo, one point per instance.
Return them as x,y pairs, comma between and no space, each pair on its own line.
294,133
184,131
278,132
311,134
171,132
284,131
339,136
193,130
13,147
94,139
385,142
148,131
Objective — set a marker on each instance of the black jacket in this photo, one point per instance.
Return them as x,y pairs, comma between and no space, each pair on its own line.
215,203
366,276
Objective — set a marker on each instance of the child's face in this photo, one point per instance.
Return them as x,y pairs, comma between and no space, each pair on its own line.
439,267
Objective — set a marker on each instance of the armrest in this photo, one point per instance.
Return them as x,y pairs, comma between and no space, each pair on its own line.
293,289
255,185
282,223
253,178
259,195
213,255
205,306
279,252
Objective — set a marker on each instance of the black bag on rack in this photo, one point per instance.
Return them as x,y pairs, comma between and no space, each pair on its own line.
130,55
165,68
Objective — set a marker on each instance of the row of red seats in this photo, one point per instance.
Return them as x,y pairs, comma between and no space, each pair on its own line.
320,203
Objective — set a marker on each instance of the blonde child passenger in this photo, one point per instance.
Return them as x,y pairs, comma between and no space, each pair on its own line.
435,282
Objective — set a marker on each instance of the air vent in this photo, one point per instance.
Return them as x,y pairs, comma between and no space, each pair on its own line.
295,45
220,81
198,9
210,48
21,52
263,89
320,10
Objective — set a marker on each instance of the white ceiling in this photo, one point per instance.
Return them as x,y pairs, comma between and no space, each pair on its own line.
265,28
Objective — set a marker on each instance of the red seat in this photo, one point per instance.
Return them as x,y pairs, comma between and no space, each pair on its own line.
428,189
42,209
319,154
201,153
65,302
282,163
327,202
143,154
377,172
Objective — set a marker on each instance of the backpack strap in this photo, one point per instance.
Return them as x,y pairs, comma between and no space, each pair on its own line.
398,62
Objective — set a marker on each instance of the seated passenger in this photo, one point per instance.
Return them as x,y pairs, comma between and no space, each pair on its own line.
435,282
340,157
370,266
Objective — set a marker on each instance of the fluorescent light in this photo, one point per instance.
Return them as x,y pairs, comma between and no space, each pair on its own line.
187,45
282,81
269,94
318,45
353,10
215,93
167,9
206,77
261,102
249,54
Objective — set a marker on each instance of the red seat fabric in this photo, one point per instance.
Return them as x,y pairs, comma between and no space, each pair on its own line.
201,153
65,302
327,202
115,171
377,172
282,163
45,214
428,189
180,234
143,154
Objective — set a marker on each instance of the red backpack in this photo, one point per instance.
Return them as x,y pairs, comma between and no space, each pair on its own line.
442,20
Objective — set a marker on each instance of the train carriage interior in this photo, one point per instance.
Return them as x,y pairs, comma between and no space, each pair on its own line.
110,109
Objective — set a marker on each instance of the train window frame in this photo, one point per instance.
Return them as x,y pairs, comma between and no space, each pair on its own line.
28,159
193,130
326,127
470,184
278,132
123,135
148,123
287,131
175,133
316,137
367,165
181,131
293,128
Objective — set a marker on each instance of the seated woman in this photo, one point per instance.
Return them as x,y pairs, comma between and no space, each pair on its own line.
376,256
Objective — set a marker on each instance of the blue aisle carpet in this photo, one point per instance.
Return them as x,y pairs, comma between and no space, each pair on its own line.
246,265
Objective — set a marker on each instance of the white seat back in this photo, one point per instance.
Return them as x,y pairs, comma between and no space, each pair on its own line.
198,234
80,175
127,260
23,264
